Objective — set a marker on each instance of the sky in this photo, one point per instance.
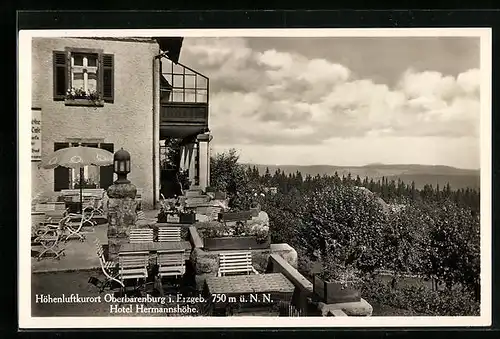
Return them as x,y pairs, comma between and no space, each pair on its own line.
346,101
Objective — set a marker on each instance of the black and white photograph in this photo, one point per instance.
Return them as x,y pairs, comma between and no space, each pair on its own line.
255,178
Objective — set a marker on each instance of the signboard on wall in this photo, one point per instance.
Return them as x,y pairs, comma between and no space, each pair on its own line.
36,134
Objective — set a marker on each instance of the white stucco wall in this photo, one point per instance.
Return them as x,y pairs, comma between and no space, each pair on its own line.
127,123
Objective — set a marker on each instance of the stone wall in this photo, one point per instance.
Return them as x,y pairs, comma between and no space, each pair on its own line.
206,263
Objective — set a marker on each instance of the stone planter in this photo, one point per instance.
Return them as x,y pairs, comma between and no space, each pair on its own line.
334,292
234,243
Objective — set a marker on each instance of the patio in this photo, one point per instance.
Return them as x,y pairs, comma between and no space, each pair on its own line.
79,256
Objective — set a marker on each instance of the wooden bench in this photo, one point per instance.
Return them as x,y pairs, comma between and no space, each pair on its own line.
169,234
235,263
133,265
141,235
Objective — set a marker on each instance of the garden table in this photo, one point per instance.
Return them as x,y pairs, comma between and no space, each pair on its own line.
156,246
247,291
153,247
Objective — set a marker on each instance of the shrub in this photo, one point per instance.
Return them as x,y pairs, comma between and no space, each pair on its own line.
344,226
421,300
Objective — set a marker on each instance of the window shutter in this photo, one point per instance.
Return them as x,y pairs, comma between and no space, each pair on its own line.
106,172
60,70
108,74
61,174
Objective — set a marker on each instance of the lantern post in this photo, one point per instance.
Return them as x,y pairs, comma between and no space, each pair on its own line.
122,206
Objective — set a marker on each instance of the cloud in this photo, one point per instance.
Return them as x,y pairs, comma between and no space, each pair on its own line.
283,98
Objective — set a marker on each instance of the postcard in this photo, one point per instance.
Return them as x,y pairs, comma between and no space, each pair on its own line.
254,178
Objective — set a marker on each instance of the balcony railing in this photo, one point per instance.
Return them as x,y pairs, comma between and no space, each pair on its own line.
180,112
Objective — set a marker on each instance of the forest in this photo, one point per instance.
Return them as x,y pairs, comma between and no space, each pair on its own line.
357,227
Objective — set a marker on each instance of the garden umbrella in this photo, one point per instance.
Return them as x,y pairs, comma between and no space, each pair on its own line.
77,157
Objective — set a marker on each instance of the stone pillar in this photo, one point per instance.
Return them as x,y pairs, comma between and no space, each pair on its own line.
121,215
184,156
192,163
204,164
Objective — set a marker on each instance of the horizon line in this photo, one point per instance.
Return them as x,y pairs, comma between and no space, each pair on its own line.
366,165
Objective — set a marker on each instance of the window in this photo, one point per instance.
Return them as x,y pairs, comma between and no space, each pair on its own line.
83,74
181,84
94,176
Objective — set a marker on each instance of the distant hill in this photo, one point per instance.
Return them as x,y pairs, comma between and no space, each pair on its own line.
421,174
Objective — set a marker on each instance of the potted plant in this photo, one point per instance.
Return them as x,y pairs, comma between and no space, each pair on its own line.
339,284
339,280
168,211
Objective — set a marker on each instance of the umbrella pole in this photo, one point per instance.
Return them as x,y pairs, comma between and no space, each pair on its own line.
81,190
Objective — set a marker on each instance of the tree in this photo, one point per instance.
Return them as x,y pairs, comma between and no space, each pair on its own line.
455,246
227,175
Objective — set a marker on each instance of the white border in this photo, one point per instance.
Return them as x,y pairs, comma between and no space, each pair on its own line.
26,321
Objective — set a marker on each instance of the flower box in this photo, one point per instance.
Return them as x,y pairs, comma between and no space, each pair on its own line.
235,216
234,243
168,217
334,292
220,196
187,218
83,102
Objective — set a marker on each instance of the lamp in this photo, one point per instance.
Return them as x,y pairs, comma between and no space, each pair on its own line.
121,166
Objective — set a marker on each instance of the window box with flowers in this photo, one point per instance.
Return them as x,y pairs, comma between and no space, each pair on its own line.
83,77
80,97
240,236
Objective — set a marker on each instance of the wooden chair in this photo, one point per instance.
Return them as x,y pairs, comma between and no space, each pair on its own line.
73,224
54,217
133,265
94,203
235,263
109,268
141,235
50,234
50,238
169,233
170,264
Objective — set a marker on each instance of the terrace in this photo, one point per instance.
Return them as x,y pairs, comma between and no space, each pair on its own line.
274,266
